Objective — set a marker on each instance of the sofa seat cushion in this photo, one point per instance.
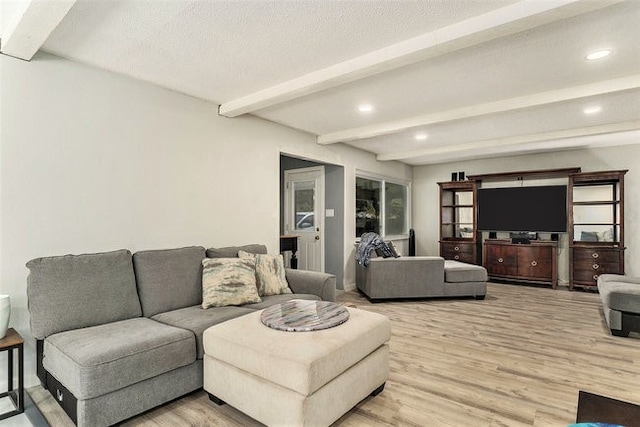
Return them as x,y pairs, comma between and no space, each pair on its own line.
460,272
620,296
197,319
268,301
93,361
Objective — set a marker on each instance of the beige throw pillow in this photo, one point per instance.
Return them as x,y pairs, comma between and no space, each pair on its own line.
270,276
228,281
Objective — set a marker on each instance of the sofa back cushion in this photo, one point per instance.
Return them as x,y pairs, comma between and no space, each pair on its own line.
76,291
169,279
232,251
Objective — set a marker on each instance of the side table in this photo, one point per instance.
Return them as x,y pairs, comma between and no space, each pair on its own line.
13,341
290,243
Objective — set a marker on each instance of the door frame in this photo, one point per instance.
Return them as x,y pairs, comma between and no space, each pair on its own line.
289,214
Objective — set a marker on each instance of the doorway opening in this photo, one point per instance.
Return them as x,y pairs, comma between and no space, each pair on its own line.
312,207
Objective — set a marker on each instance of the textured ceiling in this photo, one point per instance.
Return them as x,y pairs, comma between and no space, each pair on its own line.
546,58
221,50
486,78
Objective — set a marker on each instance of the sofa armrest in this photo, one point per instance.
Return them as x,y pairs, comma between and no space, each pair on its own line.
312,282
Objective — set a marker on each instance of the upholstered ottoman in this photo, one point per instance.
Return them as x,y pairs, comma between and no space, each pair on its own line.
296,378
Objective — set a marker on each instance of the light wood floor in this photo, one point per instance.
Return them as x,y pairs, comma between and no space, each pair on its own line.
518,358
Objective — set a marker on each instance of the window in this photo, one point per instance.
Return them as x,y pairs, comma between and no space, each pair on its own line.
381,207
368,195
395,208
304,206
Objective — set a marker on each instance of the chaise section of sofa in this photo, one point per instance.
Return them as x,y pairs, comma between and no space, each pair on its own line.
420,277
119,334
462,279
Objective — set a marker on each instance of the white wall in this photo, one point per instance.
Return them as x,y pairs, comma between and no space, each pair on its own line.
425,207
93,161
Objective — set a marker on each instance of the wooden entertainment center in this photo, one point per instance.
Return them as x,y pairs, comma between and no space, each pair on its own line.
595,229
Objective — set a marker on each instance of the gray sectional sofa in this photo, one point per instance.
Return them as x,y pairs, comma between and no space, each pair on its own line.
420,277
620,297
118,334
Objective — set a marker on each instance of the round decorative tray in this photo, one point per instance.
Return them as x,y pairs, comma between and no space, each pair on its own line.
304,316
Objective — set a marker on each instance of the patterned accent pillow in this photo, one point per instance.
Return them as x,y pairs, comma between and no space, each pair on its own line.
393,249
383,250
228,281
270,275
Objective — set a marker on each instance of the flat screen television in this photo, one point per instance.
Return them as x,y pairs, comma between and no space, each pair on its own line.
535,209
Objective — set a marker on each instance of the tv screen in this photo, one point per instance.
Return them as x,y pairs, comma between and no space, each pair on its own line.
523,209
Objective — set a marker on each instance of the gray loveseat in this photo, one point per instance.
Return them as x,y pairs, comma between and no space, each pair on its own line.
420,277
620,297
118,334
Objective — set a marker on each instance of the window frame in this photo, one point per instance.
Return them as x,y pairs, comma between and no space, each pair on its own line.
383,180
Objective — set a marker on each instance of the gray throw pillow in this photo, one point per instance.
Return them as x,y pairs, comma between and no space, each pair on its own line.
588,236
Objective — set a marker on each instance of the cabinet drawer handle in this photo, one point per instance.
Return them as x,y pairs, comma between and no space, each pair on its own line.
595,266
534,263
595,255
595,277
456,248
456,257
500,260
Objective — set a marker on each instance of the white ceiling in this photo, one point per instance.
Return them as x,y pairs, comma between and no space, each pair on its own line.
481,78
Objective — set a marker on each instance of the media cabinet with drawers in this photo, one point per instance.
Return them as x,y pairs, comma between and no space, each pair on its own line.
534,262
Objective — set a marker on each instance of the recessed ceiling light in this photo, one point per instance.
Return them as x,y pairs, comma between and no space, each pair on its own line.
420,136
365,108
599,54
593,109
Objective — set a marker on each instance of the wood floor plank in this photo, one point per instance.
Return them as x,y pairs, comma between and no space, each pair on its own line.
517,358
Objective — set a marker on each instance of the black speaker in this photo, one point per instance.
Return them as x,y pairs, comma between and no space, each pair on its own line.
412,242
454,176
555,237
461,176
493,235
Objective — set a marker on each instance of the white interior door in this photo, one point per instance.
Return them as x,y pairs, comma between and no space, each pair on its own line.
304,214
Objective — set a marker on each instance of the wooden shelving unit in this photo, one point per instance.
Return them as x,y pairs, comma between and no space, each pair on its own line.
459,238
596,226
